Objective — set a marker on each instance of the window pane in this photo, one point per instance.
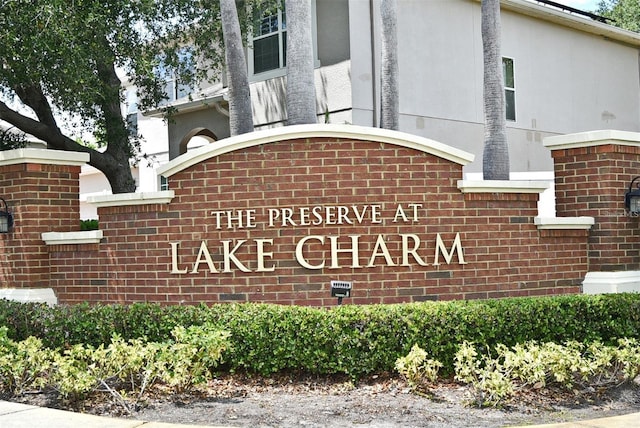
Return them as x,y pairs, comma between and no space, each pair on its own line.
266,25
510,104
507,72
132,101
183,90
164,183
269,25
132,124
266,54
170,91
284,49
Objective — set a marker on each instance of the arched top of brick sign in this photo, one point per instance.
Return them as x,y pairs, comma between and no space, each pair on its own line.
375,135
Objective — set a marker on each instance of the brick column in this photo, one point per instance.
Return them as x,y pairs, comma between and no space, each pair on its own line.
41,188
592,174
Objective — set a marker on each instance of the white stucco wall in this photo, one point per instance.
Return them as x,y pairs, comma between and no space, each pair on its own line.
567,80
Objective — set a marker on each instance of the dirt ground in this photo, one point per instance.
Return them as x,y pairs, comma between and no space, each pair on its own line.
237,401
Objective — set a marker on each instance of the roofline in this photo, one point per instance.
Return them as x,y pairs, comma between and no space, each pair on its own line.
571,9
566,19
243,141
180,106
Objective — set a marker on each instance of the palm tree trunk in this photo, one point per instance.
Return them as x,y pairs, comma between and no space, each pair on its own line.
301,93
495,162
240,114
389,102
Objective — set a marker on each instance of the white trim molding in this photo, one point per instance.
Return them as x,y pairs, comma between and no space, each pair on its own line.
43,156
376,135
82,237
502,186
592,138
611,282
30,295
124,199
564,223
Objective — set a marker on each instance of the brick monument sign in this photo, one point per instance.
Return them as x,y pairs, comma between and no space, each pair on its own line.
276,216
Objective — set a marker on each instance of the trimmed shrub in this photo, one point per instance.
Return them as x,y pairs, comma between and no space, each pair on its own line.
494,379
90,224
348,339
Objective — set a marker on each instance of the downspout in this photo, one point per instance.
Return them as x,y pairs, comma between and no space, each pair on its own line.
374,74
221,109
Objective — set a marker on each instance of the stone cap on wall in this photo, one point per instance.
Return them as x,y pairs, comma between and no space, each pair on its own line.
611,282
564,223
592,138
272,135
122,199
43,156
502,186
82,237
30,295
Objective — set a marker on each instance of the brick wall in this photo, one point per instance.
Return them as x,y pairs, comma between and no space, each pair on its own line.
42,192
504,252
399,203
591,180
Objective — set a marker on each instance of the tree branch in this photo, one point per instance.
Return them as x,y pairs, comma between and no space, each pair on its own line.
33,97
53,137
43,131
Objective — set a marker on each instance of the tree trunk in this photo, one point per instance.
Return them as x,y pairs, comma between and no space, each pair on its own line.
301,93
120,150
389,113
240,114
495,162
113,163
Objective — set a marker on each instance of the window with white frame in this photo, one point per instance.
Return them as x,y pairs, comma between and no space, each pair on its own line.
509,88
269,42
131,105
173,88
267,50
164,183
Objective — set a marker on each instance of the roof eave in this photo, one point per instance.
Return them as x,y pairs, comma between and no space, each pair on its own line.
182,107
569,20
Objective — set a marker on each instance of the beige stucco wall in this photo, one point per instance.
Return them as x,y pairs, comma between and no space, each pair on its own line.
567,80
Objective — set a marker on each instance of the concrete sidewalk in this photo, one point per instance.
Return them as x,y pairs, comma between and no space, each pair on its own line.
15,415
626,421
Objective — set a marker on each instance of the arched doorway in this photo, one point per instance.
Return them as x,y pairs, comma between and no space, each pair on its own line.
203,134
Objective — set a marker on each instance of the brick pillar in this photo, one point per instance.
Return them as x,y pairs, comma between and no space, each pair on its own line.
592,174
42,189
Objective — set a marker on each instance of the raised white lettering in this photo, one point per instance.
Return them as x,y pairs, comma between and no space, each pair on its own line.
335,250
262,254
380,249
413,251
174,259
300,255
229,256
448,256
203,255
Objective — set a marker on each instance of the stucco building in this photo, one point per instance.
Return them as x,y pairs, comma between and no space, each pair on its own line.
564,73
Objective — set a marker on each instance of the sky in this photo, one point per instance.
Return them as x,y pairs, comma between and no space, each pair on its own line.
586,5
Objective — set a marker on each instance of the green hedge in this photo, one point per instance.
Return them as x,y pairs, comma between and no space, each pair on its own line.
356,340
